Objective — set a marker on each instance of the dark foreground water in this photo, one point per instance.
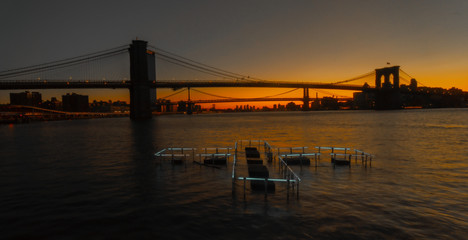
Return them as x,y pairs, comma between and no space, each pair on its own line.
97,179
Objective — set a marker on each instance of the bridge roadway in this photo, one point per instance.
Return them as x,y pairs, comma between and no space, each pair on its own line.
64,84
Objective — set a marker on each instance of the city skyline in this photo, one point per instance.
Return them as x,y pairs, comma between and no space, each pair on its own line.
323,41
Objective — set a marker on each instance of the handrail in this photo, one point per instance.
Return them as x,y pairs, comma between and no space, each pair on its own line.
268,179
288,168
213,154
300,154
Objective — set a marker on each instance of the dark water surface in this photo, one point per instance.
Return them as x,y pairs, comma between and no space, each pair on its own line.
97,179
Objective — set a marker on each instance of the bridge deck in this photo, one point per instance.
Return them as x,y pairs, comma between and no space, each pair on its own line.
25,84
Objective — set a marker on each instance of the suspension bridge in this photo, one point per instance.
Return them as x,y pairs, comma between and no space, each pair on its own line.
108,69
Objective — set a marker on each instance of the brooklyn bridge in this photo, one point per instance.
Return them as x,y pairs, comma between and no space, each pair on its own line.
86,71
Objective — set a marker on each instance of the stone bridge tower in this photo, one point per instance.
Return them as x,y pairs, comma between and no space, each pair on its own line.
387,93
141,75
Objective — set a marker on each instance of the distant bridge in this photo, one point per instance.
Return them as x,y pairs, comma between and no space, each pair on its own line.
258,100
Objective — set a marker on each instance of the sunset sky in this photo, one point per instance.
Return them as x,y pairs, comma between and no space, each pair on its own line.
320,41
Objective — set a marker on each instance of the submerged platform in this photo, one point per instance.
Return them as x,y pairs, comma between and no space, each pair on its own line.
262,166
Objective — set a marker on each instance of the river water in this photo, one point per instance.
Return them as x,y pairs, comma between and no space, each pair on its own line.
98,179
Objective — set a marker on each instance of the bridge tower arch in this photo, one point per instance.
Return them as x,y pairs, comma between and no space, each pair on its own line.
388,73
141,75
387,93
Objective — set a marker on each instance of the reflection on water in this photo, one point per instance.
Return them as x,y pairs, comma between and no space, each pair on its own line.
97,178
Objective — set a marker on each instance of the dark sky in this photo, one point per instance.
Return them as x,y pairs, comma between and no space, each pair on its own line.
279,40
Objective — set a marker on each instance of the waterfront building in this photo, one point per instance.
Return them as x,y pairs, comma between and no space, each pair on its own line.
75,103
26,98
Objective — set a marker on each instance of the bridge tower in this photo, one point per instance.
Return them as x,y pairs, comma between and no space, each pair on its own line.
306,100
387,94
141,73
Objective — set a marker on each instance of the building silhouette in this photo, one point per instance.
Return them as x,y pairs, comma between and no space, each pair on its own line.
26,98
75,103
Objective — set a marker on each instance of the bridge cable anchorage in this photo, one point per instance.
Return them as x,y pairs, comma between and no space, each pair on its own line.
356,78
61,63
200,65
170,95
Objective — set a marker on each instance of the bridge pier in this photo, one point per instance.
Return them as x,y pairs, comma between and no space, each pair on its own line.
189,103
306,100
140,100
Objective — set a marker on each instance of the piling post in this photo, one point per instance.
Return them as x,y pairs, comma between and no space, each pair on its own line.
172,155
244,188
315,156
292,185
297,188
349,159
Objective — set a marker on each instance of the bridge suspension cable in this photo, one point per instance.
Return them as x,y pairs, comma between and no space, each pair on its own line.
198,66
209,94
63,63
214,95
420,83
328,93
356,78
191,67
281,93
401,70
170,95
